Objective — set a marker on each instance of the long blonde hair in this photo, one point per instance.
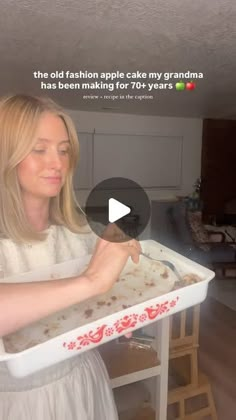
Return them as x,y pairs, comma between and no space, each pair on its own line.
19,116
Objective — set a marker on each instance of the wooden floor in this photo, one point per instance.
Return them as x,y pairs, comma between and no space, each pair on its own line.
217,354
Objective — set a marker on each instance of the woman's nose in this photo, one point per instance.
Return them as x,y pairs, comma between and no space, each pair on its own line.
55,160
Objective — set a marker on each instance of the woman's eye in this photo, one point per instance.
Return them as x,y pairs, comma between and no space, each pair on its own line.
64,152
38,150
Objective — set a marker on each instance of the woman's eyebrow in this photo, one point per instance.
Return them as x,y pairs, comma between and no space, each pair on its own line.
49,141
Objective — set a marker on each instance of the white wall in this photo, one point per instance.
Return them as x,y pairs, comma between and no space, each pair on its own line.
189,128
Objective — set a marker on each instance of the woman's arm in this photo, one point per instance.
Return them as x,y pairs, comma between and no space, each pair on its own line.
24,303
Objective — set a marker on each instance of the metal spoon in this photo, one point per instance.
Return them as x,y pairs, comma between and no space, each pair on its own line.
167,263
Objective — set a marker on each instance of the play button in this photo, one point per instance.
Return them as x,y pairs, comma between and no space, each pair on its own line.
121,202
116,210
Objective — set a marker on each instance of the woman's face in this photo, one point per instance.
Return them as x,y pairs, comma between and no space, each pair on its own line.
42,173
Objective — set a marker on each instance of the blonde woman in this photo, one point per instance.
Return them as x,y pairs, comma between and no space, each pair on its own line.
40,226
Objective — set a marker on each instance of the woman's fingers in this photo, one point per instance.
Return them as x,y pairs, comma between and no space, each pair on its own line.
109,259
128,335
113,234
132,248
134,251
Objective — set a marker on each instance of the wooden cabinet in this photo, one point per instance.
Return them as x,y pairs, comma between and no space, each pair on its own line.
218,171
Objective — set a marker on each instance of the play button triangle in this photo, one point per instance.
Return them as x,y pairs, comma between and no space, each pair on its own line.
116,210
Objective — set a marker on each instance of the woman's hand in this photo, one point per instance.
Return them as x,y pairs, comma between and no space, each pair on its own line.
108,261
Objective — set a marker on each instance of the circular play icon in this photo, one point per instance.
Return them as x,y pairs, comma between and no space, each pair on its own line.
118,209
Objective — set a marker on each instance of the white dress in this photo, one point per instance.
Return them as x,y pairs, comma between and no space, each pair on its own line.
76,389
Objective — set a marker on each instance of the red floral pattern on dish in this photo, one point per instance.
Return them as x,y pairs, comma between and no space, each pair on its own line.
121,325
109,331
142,317
158,310
92,337
126,322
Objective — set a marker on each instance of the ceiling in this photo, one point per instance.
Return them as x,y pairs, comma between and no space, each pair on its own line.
127,36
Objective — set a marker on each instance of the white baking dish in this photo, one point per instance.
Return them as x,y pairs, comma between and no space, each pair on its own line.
141,296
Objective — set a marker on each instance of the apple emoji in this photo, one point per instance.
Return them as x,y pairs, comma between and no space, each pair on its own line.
180,85
190,85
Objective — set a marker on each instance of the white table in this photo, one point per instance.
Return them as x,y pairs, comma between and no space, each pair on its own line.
159,394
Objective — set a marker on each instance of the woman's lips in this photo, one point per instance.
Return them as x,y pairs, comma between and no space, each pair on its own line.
53,179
